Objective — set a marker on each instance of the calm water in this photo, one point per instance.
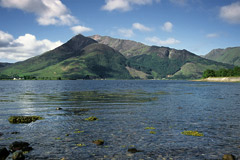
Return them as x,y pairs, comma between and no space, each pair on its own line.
124,110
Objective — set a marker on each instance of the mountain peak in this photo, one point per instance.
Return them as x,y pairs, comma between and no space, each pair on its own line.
78,42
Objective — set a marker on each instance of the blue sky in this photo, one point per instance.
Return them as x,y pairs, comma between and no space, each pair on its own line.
31,27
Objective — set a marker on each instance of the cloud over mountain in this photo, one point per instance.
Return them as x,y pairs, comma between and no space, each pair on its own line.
167,27
231,13
141,27
157,41
48,12
23,47
80,29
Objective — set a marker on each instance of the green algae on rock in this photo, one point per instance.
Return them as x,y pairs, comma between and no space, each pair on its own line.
152,132
92,118
23,119
192,133
150,128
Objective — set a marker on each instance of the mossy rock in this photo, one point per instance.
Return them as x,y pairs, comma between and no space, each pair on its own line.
192,133
23,119
151,128
99,142
92,118
152,132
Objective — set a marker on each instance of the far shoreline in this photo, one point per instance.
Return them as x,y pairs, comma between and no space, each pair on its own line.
219,79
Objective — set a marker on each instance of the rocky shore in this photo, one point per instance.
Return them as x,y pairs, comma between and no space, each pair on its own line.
220,79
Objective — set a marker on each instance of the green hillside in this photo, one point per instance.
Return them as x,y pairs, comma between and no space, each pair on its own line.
165,62
228,55
79,58
4,64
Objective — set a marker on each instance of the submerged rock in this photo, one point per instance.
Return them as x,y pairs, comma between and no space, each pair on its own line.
1,134
18,155
19,145
91,118
134,150
4,153
23,119
99,142
228,157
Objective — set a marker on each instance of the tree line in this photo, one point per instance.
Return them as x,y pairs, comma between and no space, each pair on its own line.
235,72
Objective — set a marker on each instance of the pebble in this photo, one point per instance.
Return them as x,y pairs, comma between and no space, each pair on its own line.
228,157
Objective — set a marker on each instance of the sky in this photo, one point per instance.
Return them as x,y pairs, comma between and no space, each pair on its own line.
31,27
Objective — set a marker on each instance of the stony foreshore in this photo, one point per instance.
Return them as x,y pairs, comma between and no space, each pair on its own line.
220,79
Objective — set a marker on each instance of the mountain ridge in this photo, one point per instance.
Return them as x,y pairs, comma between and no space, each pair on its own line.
109,58
230,55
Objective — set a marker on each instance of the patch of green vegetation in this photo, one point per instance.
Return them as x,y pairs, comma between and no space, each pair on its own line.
79,131
152,132
235,72
23,119
80,145
151,128
192,133
92,118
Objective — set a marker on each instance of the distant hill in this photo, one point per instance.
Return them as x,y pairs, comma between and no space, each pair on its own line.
109,58
4,64
228,55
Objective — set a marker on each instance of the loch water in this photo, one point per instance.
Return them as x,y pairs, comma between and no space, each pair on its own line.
124,108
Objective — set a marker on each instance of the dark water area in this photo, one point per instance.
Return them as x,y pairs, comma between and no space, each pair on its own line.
124,110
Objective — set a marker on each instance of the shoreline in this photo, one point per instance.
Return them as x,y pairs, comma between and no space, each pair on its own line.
220,79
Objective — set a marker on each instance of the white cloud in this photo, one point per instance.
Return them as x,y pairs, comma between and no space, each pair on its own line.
231,13
125,5
179,2
159,42
141,27
80,29
212,35
49,12
167,27
126,32
25,47
5,39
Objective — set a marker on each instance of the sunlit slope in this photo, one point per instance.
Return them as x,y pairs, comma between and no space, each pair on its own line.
228,55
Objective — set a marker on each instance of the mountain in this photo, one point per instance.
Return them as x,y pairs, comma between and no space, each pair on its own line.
79,58
126,47
160,62
102,57
4,64
228,55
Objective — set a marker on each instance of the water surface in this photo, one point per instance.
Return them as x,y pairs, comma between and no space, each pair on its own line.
124,110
